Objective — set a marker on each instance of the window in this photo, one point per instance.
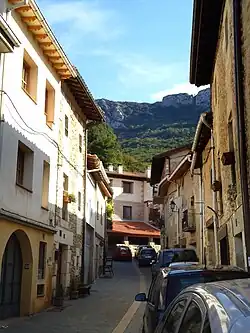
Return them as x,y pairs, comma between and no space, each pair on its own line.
97,210
65,194
40,290
79,200
66,126
127,187
24,167
45,188
20,166
127,212
42,260
29,76
173,318
25,76
80,143
49,106
192,321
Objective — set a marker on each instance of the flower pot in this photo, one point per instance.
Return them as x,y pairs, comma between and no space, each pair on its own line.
66,199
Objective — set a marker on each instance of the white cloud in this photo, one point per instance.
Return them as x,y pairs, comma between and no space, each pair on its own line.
136,70
188,88
80,18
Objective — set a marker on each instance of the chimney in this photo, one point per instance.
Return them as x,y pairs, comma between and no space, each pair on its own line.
148,172
111,168
120,168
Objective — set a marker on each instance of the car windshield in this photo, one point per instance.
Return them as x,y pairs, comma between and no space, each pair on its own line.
167,257
124,249
184,256
177,283
148,252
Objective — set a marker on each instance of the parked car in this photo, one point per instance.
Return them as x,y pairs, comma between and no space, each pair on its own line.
178,265
170,282
168,256
122,253
146,256
191,311
139,248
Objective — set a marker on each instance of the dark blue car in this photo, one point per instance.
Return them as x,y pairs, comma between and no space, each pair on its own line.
169,283
146,257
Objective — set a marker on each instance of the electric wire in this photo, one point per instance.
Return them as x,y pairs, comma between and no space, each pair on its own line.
34,132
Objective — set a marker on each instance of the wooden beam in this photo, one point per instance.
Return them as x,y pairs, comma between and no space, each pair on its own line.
35,27
54,58
62,71
45,44
58,65
49,52
23,9
65,77
28,19
41,36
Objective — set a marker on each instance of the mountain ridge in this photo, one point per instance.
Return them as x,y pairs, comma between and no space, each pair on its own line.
145,129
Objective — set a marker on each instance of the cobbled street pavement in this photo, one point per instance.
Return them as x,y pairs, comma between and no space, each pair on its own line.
100,312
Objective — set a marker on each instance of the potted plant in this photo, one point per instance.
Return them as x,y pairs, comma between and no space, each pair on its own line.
74,293
59,297
65,197
71,198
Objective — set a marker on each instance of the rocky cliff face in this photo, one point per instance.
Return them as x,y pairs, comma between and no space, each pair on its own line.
145,129
119,113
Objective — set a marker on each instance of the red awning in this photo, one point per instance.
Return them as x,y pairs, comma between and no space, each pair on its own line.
135,229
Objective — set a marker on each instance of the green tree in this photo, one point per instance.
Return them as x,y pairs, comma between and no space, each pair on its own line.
132,164
103,142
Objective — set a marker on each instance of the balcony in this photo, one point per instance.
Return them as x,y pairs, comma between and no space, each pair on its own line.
188,221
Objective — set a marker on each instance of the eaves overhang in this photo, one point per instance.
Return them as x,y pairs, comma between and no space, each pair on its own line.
36,23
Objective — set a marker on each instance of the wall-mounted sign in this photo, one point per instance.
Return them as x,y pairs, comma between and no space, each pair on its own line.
26,266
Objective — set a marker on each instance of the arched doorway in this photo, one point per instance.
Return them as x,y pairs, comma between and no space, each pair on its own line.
11,279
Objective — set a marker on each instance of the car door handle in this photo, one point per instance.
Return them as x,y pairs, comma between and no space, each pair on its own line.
151,305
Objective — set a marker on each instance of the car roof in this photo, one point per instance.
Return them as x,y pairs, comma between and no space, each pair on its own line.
230,297
177,249
166,271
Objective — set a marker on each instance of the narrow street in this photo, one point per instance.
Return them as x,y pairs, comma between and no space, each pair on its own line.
109,309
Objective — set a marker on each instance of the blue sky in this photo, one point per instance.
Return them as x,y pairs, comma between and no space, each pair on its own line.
134,50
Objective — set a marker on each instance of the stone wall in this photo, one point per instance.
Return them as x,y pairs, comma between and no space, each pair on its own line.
137,210
224,114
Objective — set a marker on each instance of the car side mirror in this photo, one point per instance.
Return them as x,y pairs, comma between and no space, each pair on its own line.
153,261
141,297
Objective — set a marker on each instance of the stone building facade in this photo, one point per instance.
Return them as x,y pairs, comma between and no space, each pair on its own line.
219,68
132,195
75,115
131,192
177,192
